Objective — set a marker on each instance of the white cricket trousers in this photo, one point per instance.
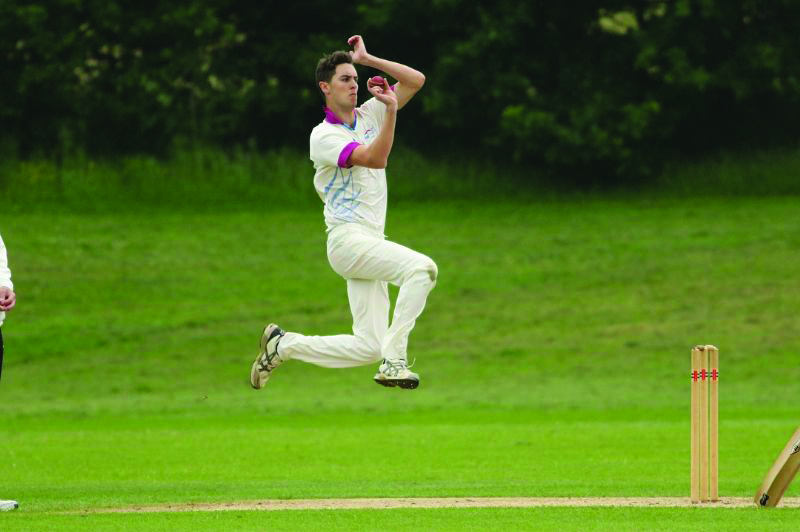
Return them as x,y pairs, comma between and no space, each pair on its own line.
368,261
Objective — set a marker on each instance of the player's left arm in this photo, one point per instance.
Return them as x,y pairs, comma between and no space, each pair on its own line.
409,81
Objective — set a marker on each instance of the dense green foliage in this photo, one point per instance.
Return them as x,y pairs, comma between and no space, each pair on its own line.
592,89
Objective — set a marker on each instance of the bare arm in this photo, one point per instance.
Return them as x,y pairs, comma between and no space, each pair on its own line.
409,80
376,154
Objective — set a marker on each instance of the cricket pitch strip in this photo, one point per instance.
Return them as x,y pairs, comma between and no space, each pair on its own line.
443,502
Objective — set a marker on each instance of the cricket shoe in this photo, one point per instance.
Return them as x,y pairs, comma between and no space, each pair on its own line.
393,373
6,506
268,359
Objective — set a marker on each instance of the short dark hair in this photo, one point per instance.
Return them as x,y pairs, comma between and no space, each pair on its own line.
326,67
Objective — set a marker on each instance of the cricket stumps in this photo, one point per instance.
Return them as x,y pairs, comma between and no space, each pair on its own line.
705,424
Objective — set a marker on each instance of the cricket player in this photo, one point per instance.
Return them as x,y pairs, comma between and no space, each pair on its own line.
7,301
350,150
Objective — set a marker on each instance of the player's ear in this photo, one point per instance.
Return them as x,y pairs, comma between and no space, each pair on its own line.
325,87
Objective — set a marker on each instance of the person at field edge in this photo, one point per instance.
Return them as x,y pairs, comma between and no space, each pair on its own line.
7,301
350,149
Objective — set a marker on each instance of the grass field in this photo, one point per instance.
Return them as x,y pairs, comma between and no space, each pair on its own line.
554,355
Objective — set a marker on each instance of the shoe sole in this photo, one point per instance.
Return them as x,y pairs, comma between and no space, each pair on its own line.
255,377
406,384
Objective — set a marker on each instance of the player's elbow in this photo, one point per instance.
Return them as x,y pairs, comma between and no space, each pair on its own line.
416,83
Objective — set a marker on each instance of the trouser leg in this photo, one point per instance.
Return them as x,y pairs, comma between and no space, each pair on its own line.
369,304
374,258
411,299
368,262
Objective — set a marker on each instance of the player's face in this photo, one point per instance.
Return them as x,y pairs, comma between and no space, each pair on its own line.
344,85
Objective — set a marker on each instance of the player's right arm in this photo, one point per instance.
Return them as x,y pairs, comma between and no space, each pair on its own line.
376,154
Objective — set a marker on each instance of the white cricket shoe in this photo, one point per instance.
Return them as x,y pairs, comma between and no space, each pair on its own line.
393,373
7,506
268,359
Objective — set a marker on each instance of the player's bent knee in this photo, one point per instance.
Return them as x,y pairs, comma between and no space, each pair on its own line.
428,270
423,272
433,271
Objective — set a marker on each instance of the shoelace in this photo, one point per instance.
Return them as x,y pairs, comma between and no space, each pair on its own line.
266,364
394,367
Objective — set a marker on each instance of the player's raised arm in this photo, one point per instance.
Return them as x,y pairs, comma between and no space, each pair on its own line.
409,81
376,153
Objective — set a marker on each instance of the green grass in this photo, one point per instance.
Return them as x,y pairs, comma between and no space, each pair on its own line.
478,519
758,172
554,354
210,178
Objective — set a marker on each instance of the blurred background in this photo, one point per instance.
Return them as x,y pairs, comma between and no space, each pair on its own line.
589,94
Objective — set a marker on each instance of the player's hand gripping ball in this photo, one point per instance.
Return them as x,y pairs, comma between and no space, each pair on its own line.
377,81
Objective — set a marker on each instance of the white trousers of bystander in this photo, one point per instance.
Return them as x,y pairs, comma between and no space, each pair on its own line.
368,262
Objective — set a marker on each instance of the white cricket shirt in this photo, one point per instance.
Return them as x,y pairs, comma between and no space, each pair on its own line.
5,273
352,194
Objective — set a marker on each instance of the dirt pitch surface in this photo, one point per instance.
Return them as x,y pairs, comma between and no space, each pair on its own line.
446,502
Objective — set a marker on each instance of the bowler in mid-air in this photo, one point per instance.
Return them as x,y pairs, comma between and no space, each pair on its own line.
350,150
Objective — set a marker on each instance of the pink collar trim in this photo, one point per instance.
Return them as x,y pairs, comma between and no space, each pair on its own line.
331,118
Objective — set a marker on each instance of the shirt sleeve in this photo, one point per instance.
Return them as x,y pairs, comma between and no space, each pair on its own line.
332,148
5,273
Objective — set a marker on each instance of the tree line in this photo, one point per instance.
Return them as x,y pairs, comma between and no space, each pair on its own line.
597,89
